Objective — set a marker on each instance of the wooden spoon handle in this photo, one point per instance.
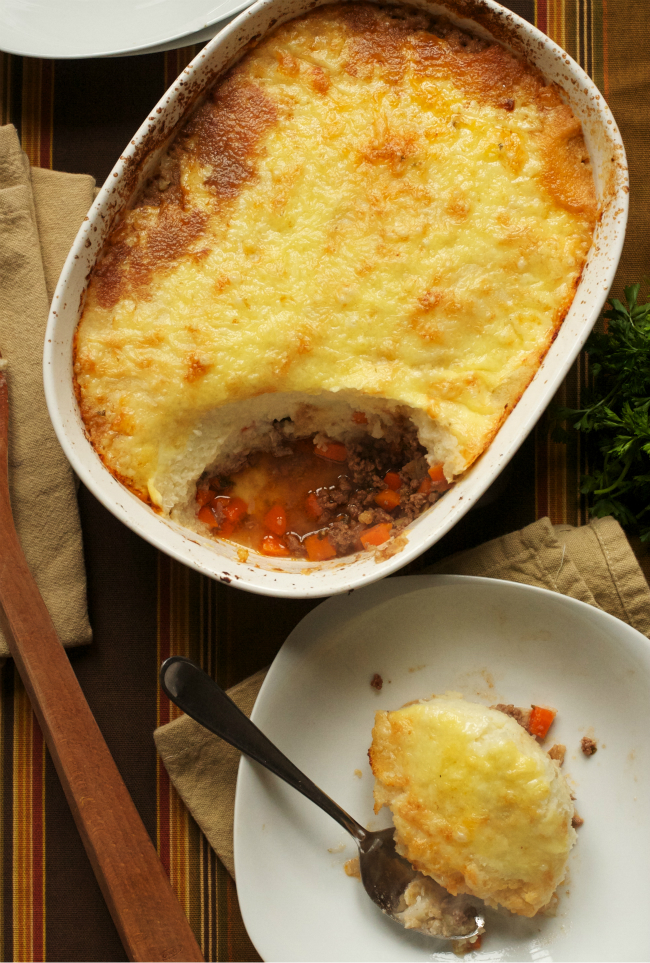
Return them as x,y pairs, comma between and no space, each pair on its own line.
149,918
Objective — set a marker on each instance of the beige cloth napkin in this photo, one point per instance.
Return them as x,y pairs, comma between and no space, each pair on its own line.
40,214
594,564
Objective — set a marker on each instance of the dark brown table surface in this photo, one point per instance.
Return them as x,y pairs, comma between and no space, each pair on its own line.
77,116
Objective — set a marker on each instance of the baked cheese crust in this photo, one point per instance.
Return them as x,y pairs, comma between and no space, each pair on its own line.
477,804
371,204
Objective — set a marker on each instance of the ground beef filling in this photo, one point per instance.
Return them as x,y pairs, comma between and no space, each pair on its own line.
317,499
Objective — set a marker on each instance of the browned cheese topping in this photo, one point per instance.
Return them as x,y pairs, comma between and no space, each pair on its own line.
372,208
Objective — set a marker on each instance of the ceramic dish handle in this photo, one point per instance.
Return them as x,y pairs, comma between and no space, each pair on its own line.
193,691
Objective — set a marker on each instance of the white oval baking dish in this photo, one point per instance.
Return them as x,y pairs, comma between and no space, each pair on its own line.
301,579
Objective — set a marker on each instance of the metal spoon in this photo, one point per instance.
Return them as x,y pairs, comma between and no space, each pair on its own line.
384,873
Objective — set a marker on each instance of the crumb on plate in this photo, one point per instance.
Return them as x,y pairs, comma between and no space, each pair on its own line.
352,868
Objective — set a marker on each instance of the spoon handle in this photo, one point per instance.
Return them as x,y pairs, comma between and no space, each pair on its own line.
200,697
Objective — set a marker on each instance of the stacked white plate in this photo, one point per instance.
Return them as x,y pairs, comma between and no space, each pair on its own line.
72,29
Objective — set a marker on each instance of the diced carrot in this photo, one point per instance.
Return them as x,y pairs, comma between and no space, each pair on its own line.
425,486
272,545
359,418
312,505
388,499
234,508
319,549
207,516
392,480
204,495
332,451
541,720
376,535
276,519
437,476
232,512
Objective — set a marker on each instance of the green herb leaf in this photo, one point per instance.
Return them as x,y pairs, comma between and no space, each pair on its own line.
616,416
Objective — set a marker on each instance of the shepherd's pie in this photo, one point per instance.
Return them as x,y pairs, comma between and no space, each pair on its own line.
374,214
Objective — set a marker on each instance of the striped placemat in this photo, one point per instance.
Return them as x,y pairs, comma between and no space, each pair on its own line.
77,116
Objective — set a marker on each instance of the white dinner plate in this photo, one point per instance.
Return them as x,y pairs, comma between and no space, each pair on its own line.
493,642
97,28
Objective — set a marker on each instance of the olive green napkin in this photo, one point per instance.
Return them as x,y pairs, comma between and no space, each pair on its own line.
40,214
594,564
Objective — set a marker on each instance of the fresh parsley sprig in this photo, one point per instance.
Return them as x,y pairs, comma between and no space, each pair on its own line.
616,417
